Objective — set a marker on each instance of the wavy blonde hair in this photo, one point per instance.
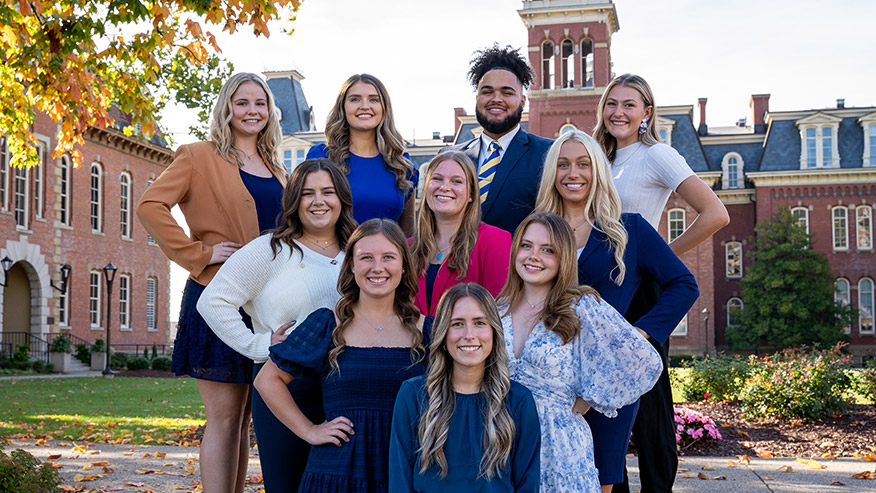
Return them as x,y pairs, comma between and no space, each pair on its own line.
404,294
269,138
600,131
559,308
390,143
603,205
433,427
466,235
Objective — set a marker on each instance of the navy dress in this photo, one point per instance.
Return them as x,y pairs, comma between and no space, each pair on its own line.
647,254
364,390
197,351
465,444
375,194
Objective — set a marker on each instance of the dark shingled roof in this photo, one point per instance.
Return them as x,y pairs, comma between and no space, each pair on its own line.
289,97
750,153
686,141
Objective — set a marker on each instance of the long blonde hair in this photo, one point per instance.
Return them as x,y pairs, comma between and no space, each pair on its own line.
433,427
269,138
559,308
404,294
466,235
600,131
603,205
390,143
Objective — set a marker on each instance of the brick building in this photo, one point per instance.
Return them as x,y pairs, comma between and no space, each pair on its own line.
55,214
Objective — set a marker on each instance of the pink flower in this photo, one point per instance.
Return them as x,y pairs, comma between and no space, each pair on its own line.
706,395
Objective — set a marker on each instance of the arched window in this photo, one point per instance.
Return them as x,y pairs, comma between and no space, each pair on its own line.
96,198
547,65
125,206
734,307
840,216
732,166
567,63
864,227
802,215
676,223
587,62
842,298
865,306
733,255
567,127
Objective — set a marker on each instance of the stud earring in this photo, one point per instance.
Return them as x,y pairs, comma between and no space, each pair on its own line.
643,127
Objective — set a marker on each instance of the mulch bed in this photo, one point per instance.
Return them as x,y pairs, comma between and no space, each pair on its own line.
853,432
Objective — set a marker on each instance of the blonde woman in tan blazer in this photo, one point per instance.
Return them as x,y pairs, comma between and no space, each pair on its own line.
229,189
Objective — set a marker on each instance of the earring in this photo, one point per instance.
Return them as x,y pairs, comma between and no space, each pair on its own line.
643,127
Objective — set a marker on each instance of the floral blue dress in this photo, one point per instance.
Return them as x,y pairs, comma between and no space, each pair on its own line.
609,364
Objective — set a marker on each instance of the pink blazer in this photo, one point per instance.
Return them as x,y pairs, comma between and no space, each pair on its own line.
488,267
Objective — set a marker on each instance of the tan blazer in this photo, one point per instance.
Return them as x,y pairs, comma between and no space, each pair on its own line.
214,201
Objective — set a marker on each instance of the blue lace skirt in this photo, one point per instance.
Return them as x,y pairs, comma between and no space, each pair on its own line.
198,353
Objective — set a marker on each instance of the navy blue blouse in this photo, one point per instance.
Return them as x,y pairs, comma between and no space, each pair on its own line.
267,193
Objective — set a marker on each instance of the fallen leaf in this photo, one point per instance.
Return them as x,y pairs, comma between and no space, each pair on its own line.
745,458
764,454
145,471
731,464
54,457
129,483
159,454
811,463
767,478
748,444
683,469
108,470
720,478
101,463
838,483
708,467
863,475
827,444
828,455
701,476
785,469
743,434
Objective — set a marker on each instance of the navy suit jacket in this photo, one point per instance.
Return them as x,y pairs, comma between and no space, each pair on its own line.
515,186
646,253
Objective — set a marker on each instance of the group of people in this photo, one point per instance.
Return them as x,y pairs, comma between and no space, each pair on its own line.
379,348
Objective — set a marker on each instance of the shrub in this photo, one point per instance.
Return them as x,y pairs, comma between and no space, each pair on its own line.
119,360
61,344
22,472
21,357
5,362
98,347
154,350
146,353
867,381
83,353
692,427
39,366
138,363
161,363
680,360
797,383
718,379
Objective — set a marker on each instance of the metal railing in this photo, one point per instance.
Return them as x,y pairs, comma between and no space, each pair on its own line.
38,348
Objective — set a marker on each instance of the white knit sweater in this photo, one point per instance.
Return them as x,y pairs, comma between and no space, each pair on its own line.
272,291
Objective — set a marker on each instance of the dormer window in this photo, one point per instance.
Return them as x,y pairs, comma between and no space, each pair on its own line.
664,129
732,166
818,139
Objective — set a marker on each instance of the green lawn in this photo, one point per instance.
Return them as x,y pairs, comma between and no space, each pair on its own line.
123,410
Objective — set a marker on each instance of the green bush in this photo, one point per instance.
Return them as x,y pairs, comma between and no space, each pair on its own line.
867,381
154,351
21,357
146,353
797,383
138,363
717,379
118,360
5,362
98,347
39,366
83,353
61,344
680,360
22,472
161,363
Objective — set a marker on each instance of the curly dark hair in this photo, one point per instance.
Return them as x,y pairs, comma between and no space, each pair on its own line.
506,58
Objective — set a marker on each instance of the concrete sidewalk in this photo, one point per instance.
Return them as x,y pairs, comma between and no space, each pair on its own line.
174,469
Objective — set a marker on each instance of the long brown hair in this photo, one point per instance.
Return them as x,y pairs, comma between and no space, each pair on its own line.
292,229
404,293
559,308
432,430
390,143
466,235
600,131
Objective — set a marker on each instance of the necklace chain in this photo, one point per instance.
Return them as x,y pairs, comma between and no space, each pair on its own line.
247,156
376,328
580,223
638,148
316,242
441,252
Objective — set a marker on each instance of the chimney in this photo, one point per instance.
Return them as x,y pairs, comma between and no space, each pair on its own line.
702,129
436,135
760,106
457,112
840,103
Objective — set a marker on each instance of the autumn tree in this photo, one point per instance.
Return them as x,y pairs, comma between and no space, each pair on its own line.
788,290
75,59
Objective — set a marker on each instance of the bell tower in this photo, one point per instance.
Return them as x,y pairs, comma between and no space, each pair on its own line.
570,51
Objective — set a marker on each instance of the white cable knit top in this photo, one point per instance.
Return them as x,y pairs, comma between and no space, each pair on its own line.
273,291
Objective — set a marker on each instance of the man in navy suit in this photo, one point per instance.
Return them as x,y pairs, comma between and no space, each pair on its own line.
509,160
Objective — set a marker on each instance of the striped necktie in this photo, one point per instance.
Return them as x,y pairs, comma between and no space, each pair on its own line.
488,170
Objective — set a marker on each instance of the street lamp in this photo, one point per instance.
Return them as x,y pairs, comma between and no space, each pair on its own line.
65,276
7,264
109,273
706,321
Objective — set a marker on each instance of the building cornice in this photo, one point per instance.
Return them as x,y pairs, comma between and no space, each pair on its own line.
684,109
566,93
545,12
796,115
733,139
135,146
812,177
736,196
710,177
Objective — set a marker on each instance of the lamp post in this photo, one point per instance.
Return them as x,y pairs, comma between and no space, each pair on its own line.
109,272
7,264
706,321
65,276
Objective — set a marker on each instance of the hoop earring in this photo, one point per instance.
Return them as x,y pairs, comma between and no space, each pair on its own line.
643,127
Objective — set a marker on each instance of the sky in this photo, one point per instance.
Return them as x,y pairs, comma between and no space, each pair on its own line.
805,53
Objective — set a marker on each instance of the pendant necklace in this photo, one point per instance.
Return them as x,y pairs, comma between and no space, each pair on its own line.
575,228
247,156
376,328
316,242
441,253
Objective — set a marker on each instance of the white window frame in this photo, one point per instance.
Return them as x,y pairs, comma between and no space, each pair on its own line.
21,198
4,175
731,302
845,227
64,309
817,123
38,179
863,295
96,197
568,65
665,125
125,302
727,247
868,126
864,227
65,213
843,297
805,217
125,198
670,221
94,297
680,329
547,76
726,166
587,65
151,297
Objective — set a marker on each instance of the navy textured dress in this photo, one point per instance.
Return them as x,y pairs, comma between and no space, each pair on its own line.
375,194
364,390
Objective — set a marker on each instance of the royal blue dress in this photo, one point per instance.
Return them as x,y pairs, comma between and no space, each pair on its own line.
465,444
375,194
364,390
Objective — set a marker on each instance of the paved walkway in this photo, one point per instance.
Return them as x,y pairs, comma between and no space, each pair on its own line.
174,469
74,374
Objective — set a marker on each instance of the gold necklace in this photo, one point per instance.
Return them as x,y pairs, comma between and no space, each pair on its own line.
247,156
316,242
575,228
530,304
